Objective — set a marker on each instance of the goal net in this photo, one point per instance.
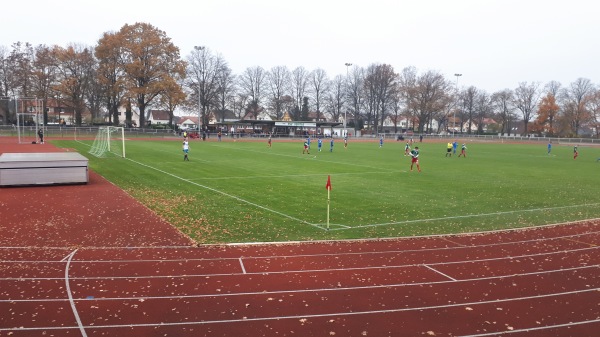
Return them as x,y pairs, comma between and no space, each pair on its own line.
110,141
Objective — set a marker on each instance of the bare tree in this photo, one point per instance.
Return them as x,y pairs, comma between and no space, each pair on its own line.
279,81
6,87
526,100
225,91
575,100
319,84
553,88
370,98
468,100
204,71
382,81
594,107
503,108
20,74
252,83
239,102
397,106
335,98
299,84
483,109
355,96
431,95
4,72
407,91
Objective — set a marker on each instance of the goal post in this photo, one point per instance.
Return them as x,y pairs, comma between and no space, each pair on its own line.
110,141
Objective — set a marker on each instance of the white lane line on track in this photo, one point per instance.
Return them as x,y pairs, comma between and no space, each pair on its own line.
506,332
66,258
439,272
579,241
511,257
70,294
459,246
455,243
242,265
226,194
279,292
353,313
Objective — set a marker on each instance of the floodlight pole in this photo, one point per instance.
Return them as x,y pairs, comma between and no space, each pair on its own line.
454,118
347,64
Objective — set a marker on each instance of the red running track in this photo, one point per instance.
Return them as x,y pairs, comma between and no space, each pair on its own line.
537,282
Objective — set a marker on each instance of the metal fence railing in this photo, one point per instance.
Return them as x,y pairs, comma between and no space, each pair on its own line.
86,132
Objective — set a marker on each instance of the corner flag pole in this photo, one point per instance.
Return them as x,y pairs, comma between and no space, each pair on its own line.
328,187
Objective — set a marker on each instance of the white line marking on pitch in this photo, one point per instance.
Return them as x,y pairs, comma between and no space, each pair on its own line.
439,272
242,265
70,294
328,242
293,175
468,216
226,194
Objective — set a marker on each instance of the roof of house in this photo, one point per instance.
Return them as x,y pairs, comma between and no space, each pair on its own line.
162,115
191,119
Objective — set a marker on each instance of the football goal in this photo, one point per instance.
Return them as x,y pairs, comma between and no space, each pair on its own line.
110,141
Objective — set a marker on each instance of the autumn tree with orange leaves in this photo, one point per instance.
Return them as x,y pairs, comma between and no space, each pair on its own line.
110,75
546,116
150,65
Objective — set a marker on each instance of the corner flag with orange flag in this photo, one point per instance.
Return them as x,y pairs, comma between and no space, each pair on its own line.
328,187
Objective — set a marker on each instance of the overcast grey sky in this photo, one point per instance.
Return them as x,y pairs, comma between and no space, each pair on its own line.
495,44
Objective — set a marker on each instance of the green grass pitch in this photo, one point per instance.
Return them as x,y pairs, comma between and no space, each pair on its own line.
246,192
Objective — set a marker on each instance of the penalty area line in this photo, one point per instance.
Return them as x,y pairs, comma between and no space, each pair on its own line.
226,194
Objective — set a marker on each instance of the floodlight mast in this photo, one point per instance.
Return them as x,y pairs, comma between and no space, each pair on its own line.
454,118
